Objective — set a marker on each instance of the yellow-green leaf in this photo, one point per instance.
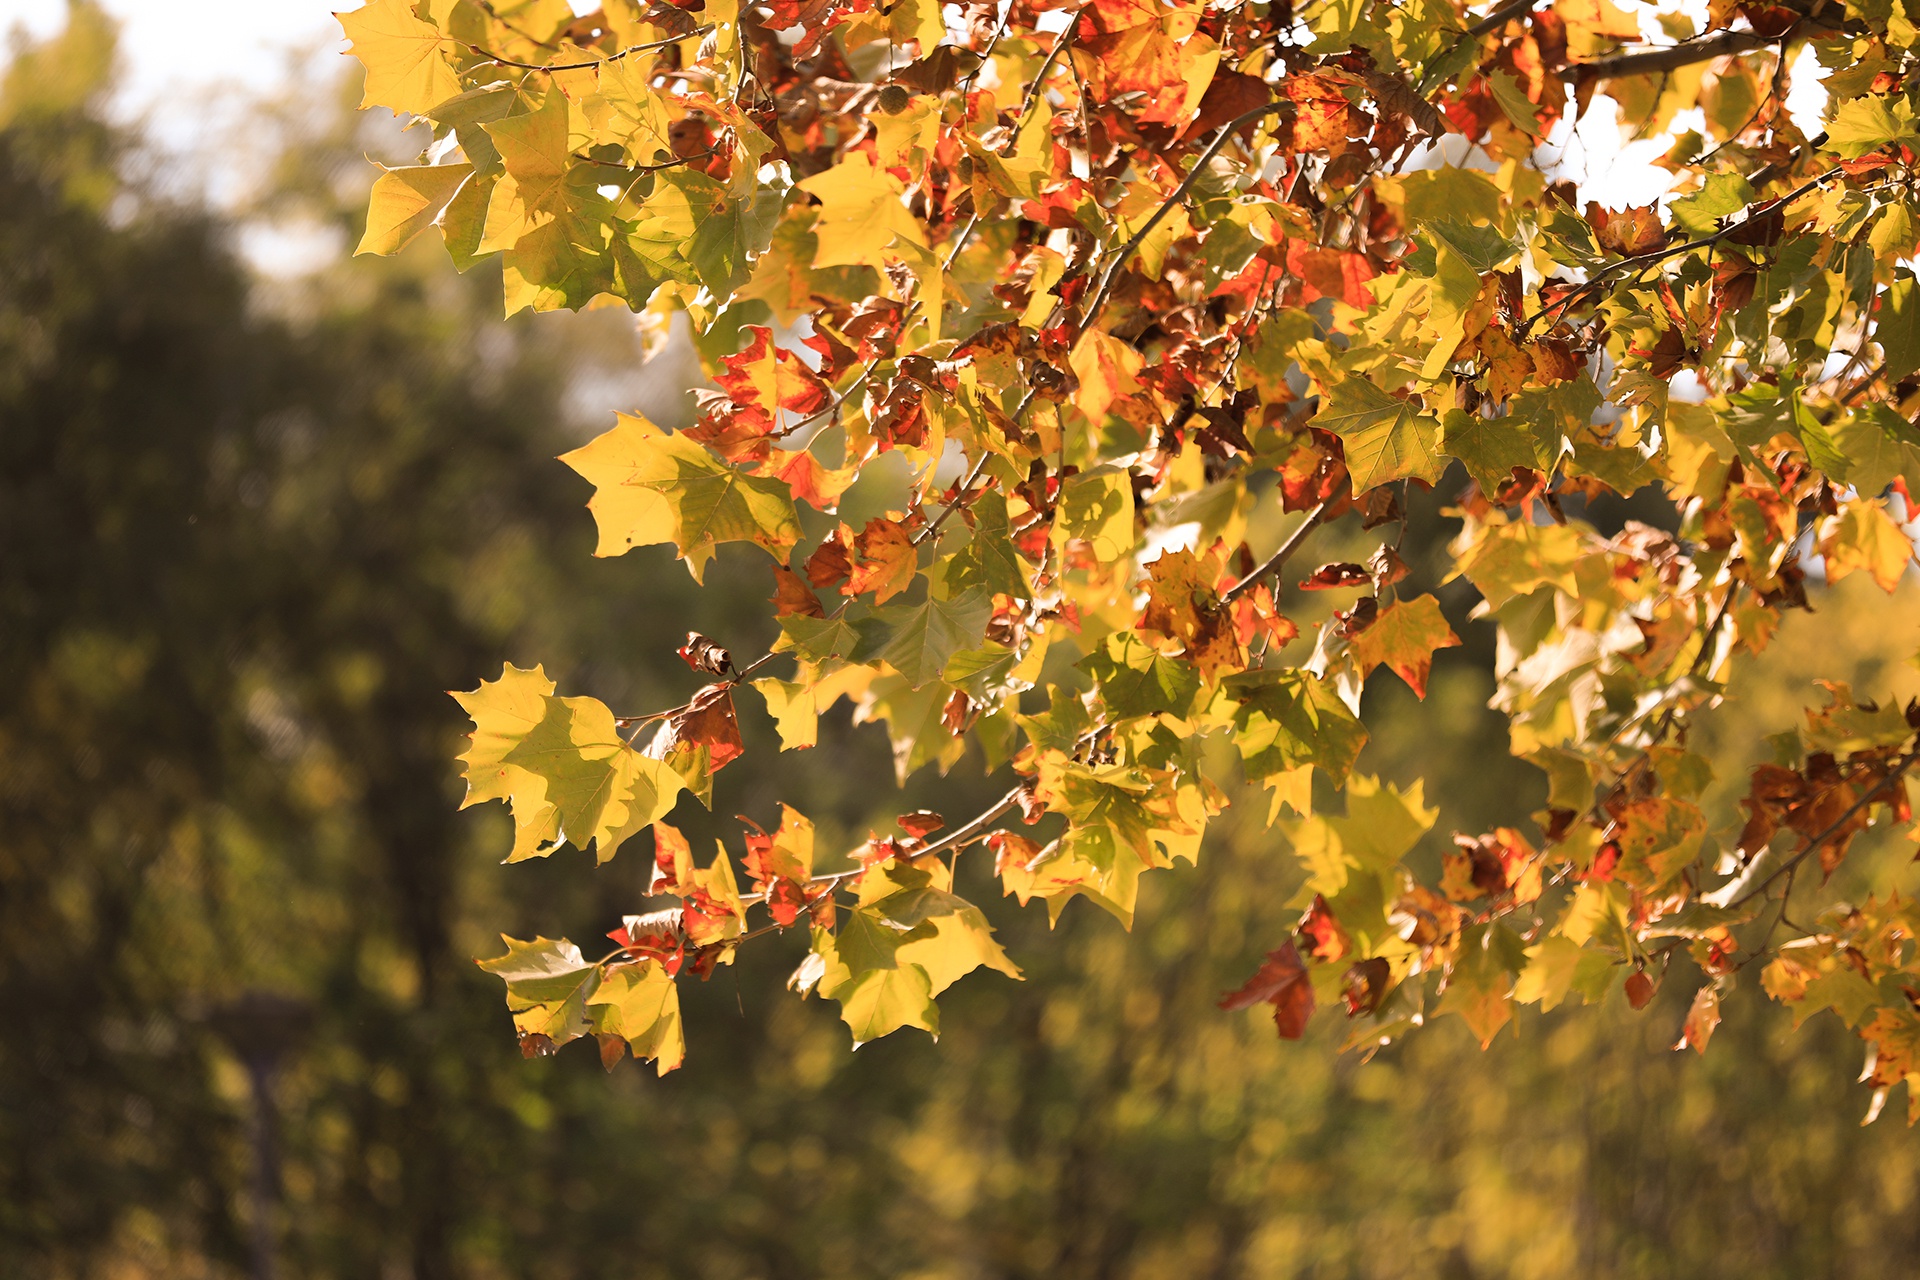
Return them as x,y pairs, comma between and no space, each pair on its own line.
407,201
1386,438
861,214
651,487
641,1004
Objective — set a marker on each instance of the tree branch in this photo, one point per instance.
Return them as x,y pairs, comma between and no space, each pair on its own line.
1868,797
1499,16
1279,558
1099,300
1653,61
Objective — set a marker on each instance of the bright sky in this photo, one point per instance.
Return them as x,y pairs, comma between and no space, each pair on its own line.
176,50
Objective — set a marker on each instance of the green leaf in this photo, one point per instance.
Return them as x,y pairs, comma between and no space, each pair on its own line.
1285,719
1867,124
1386,438
917,640
817,639
1898,328
1514,103
1878,445
1481,248
877,994
1135,680
1722,194
602,790
1097,505
990,560
1490,448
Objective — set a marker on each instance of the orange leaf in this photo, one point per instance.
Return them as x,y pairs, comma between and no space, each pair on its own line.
1405,637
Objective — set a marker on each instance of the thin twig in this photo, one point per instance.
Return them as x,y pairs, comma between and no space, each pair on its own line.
491,56
1641,262
1105,290
1869,797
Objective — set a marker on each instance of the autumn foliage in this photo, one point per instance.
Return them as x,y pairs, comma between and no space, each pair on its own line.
1115,278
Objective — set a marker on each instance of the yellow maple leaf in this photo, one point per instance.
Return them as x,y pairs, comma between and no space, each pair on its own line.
409,65
406,201
860,215
1864,536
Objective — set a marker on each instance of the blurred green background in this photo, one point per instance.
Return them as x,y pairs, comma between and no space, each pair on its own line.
251,530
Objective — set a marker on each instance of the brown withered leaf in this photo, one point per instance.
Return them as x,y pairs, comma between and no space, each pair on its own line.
1554,360
1348,623
1394,94
1379,505
706,721
1386,568
1364,984
957,714
703,654
1668,355
939,71
792,596
830,564
1229,94
874,324
1639,989
1331,577
1282,982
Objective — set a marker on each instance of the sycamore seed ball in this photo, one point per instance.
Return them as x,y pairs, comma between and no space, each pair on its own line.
894,99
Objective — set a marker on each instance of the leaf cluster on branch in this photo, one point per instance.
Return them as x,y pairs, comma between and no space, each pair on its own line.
1112,278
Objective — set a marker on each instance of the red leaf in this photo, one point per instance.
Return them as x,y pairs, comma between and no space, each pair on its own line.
1281,982
706,721
1324,936
1011,850
1330,577
670,850
921,822
1629,232
764,379
829,562
786,899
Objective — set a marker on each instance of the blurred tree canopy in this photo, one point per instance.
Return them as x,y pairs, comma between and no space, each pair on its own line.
241,554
